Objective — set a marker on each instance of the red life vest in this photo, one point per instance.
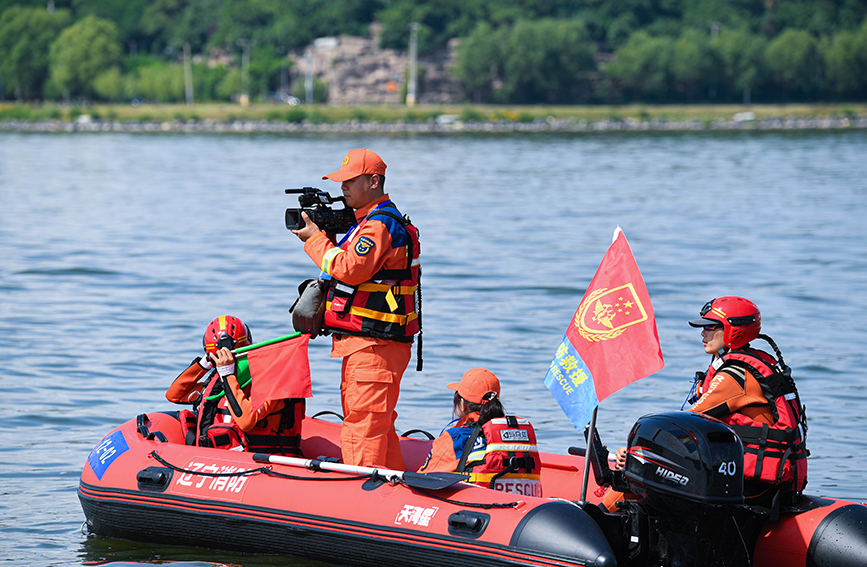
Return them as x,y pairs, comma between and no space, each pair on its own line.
215,427
502,455
384,307
774,454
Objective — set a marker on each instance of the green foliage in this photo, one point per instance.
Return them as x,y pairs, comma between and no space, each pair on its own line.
316,116
26,35
109,85
741,56
846,62
643,64
533,61
125,14
205,81
229,86
166,25
320,90
16,112
81,52
161,82
530,51
296,115
817,18
266,65
694,64
793,61
479,61
469,114
546,61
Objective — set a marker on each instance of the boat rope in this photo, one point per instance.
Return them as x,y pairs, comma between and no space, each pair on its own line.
262,470
469,504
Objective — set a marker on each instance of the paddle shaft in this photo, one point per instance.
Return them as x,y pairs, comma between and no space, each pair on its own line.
315,464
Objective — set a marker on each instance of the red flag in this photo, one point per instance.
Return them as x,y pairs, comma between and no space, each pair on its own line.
280,370
614,329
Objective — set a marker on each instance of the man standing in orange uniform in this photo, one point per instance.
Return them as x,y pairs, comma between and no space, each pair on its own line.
371,308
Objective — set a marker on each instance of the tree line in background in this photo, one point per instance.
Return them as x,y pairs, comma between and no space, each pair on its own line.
510,51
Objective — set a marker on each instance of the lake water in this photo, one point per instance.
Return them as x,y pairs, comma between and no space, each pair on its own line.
116,250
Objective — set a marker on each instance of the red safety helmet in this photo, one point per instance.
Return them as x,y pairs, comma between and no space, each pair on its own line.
740,318
226,329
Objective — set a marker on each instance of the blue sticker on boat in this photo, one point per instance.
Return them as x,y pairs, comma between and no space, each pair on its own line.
104,454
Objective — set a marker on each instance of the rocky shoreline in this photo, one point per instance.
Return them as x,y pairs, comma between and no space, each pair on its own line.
446,124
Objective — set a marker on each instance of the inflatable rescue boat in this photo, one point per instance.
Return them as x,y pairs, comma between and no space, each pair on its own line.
141,482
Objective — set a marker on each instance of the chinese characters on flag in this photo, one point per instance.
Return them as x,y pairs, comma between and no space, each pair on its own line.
610,342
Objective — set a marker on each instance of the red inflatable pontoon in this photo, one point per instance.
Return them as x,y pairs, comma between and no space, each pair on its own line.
142,483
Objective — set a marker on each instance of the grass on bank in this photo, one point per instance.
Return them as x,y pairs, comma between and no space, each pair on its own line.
322,114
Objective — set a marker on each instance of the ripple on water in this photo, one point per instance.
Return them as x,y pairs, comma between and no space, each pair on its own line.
150,237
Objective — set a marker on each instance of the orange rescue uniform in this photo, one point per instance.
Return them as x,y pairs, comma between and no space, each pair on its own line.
188,386
725,395
372,368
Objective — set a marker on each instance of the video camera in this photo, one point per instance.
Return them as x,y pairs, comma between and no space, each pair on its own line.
315,203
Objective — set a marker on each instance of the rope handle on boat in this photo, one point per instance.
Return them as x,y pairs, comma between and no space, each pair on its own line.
262,470
470,504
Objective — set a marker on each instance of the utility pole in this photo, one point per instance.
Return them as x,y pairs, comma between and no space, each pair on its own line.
188,74
245,73
412,85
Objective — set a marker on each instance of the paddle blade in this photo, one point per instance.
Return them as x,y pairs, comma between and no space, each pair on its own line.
433,480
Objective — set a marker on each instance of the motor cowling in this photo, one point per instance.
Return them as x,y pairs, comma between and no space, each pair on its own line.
685,456
687,471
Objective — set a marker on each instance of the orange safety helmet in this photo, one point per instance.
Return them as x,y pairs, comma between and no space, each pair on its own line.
224,331
740,318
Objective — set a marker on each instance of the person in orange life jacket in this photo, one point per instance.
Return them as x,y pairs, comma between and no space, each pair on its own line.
753,393
275,427
370,308
735,390
498,451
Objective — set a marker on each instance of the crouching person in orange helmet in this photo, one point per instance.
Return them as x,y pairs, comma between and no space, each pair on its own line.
223,416
498,451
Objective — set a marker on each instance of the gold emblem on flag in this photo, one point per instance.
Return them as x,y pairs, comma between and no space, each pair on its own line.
606,313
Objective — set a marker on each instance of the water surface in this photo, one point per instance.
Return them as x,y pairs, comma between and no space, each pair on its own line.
116,250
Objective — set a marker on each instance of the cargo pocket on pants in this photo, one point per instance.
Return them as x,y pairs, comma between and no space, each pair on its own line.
368,388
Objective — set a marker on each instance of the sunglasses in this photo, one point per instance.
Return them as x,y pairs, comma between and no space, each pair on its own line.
712,327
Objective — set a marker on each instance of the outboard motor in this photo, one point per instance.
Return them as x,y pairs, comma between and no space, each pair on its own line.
687,471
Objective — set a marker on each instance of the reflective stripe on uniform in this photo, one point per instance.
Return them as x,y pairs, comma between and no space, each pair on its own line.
343,288
328,259
386,317
512,447
399,289
486,477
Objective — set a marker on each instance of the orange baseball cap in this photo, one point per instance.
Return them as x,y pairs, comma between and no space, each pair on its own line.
358,162
475,383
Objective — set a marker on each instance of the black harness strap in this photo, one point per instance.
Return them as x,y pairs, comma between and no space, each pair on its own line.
406,273
468,447
403,274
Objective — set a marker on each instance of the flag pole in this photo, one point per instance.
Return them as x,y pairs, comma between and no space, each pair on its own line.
242,351
587,455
